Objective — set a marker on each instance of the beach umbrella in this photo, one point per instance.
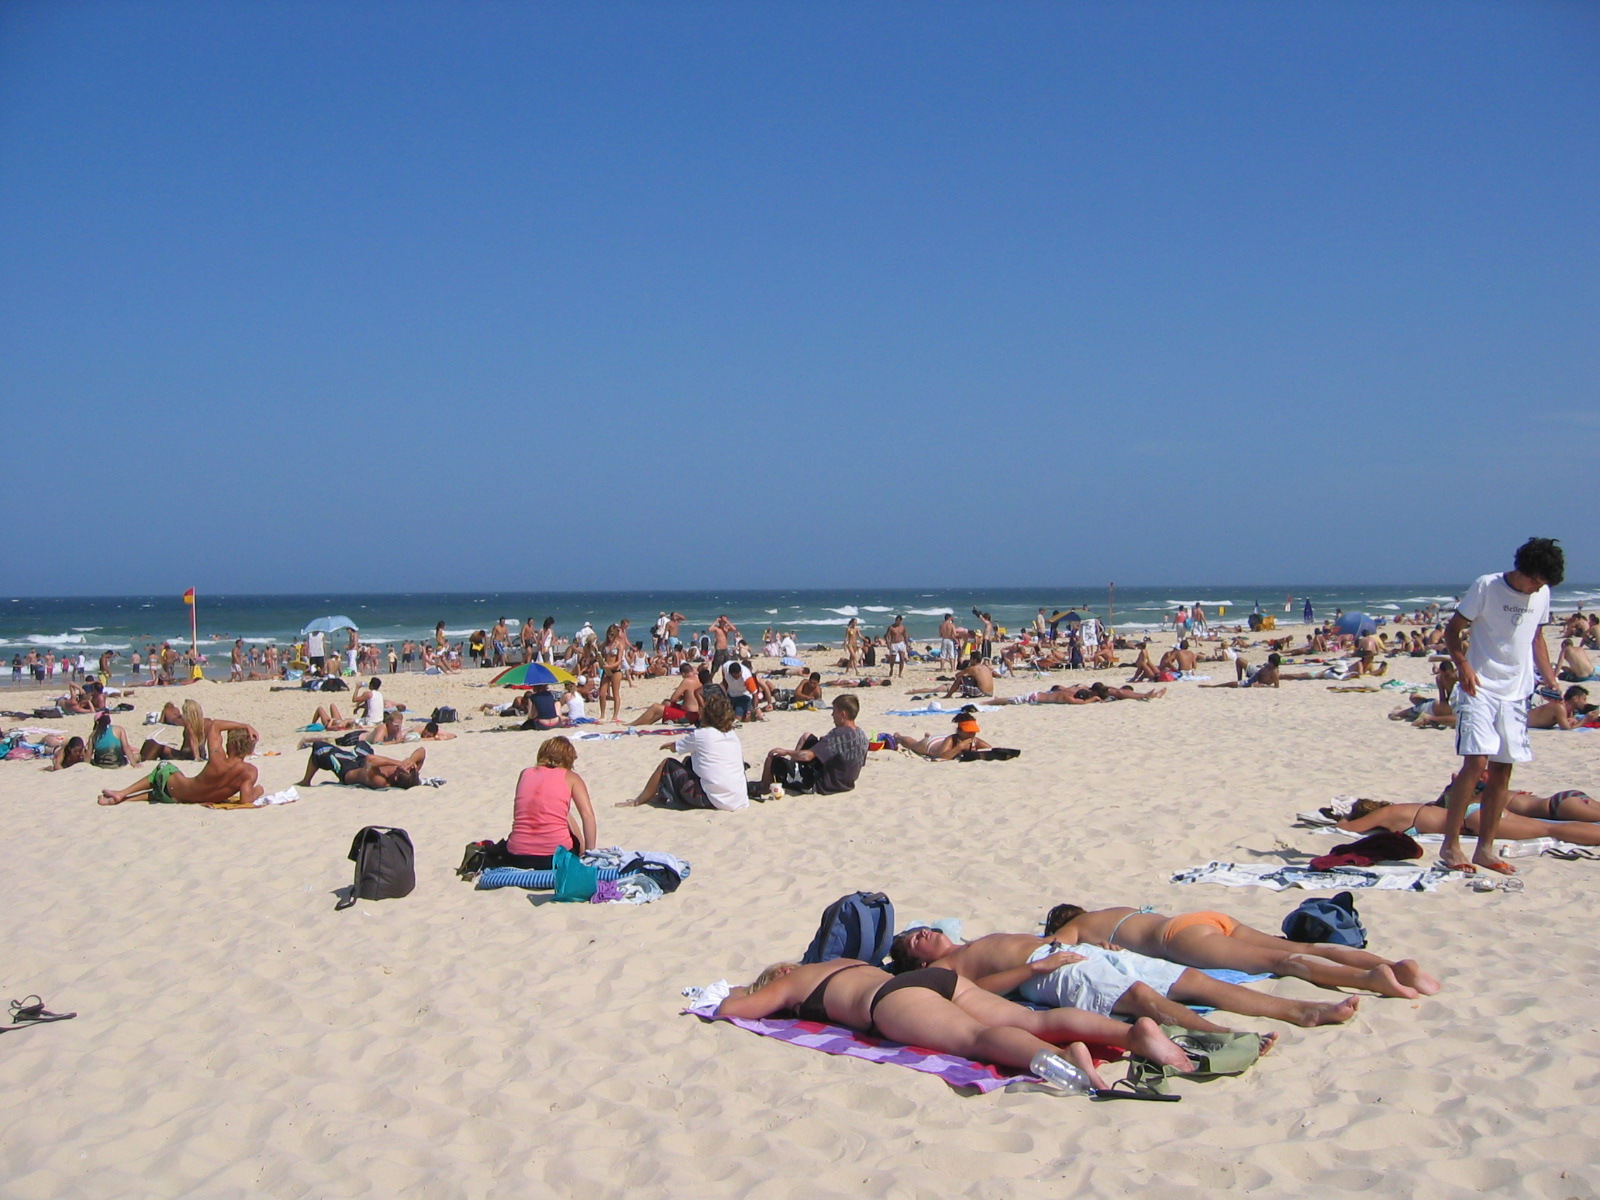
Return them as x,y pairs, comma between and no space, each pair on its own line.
525,675
329,624
1357,623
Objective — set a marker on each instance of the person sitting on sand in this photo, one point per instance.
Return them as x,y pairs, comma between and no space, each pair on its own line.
1098,980
680,708
1573,664
808,691
825,765
109,745
1412,819
1211,940
551,810
192,720
542,712
947,746
974,679
1564,713
1144,671
225,774
358,766
711,775
938,1010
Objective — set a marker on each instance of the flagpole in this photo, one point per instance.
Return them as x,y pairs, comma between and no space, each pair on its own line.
1111,609
194,624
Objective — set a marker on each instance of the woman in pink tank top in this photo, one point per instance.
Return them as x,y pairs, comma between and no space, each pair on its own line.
543,820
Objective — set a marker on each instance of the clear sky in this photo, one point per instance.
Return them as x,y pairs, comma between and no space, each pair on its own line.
428,296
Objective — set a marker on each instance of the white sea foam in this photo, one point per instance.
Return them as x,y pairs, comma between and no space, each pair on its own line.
86,628
849,610
876,608
769,611
54,639
927,612
821,621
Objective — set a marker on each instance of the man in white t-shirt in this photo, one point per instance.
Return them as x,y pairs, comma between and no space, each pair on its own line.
315,651
1497,665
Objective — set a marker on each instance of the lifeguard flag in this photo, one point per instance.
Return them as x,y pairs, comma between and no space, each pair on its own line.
188,597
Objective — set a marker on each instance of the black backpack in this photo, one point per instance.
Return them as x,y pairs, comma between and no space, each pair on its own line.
860,925
443,715
385,866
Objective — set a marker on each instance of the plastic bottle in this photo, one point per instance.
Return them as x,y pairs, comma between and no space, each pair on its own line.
777,790
1059,1074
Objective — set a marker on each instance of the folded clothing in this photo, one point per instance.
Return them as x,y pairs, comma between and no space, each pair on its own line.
1383,846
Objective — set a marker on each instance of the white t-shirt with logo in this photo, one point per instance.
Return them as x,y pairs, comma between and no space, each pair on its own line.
1504,624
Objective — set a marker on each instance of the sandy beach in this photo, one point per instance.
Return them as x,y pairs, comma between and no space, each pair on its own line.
238,1037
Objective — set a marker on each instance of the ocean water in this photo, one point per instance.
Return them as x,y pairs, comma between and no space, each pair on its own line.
93,624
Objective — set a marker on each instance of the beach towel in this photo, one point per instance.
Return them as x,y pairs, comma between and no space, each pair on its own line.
1279,878
835,1039
607,860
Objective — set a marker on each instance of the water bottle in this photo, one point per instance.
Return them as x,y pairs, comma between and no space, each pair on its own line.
1059,1074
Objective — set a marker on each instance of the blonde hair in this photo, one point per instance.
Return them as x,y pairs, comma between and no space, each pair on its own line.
557,752
240,743
770,974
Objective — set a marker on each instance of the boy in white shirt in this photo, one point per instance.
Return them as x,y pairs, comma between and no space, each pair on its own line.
1505,613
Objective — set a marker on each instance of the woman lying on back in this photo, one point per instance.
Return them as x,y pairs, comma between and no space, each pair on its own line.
936,1009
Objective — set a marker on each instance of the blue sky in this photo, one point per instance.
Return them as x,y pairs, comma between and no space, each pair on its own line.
455,296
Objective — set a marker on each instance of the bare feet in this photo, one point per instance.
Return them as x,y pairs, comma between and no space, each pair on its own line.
107,796
1078,1055
1268,1041
1313,1014
1409,973
1487,860
1146,1039
1384,981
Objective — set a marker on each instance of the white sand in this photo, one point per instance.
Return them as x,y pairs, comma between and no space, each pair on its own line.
238,1037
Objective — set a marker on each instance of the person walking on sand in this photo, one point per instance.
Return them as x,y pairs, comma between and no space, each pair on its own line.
1496,668
947,641
899,642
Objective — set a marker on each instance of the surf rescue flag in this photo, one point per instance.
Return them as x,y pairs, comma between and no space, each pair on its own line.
188,597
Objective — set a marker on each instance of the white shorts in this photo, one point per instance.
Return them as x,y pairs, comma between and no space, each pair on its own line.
1097,984
897,651
1489,726
947,648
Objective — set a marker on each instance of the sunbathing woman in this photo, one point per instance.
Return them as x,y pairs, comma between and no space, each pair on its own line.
936,1009
193,746
945,746
1211,940
1412,819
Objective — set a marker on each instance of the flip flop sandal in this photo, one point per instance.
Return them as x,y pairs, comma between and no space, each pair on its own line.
1127,1089
30,1010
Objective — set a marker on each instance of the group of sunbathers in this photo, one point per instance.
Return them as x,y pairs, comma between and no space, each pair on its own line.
1087,969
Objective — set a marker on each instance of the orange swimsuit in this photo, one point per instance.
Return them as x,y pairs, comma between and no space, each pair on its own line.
1223,923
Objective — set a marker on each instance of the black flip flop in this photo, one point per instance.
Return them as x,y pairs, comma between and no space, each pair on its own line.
30,1010
1135,1091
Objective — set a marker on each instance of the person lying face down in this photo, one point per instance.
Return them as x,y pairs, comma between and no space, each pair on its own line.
940,1011
1211,940
1098,980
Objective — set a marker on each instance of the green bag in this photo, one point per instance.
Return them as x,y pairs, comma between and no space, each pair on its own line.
1214,1054
576,881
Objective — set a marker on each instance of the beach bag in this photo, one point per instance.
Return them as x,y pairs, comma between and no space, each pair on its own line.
477,857
576,881
860,925
1214,1055
444,715
1326,919
385,865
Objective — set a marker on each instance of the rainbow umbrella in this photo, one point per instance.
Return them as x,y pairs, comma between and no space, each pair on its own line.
525,675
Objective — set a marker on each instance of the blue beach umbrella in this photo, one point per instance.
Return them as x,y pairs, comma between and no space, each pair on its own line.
1356,623
329,624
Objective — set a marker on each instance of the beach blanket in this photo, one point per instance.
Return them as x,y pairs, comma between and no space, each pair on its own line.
835,1039
1279,878
607,861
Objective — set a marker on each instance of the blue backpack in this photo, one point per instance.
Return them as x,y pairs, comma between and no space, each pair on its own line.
1326,919
860,925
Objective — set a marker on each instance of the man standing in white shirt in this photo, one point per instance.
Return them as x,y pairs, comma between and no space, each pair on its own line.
1505,613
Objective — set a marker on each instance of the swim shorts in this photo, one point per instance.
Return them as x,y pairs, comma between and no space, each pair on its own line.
1096,984
158,783
1497,729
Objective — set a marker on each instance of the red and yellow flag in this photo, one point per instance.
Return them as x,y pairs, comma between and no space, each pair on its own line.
188,597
